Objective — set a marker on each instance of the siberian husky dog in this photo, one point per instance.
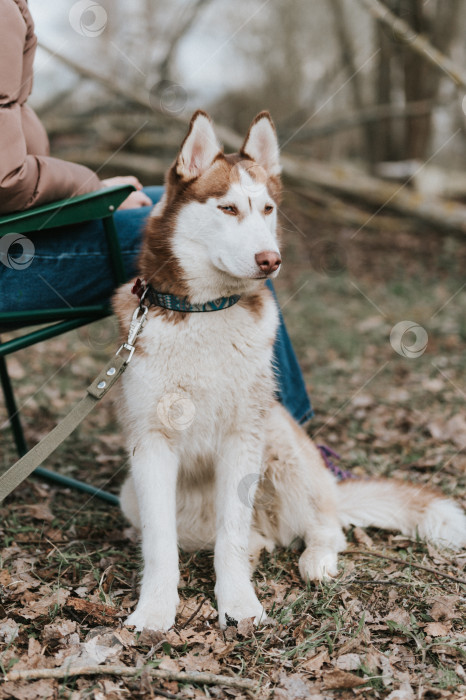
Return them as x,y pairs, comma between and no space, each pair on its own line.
216,462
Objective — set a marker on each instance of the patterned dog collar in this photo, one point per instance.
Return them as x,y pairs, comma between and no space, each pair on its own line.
175,303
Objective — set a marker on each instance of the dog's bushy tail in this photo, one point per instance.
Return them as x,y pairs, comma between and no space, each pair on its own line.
396,505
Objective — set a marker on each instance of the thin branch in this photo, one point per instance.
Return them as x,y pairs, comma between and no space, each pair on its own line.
381,582
198,677
417,42
140,97
374,113
181,30
347,60
57,99
315,202
191,617
146,166
398,560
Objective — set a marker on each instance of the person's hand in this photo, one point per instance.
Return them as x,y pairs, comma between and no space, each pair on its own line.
122,180
136,199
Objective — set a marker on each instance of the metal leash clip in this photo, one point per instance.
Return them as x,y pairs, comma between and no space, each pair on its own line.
135,327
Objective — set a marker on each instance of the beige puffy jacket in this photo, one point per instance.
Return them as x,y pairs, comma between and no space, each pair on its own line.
28,175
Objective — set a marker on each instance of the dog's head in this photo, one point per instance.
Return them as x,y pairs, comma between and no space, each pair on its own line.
215,230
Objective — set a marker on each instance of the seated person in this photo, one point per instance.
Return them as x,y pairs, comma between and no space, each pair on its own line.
70,266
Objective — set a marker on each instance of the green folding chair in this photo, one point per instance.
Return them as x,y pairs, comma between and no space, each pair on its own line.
99,205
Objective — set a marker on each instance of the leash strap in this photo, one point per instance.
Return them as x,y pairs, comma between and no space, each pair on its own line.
104,381
39,453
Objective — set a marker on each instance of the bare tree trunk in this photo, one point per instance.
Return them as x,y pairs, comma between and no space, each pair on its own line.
420,78
347,59
385,147
419,83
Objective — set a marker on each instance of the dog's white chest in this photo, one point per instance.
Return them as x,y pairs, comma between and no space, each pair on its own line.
196,380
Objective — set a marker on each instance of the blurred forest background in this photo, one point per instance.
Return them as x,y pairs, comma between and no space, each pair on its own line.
341,86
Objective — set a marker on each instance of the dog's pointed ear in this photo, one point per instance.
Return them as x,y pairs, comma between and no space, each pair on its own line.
199,149
261,144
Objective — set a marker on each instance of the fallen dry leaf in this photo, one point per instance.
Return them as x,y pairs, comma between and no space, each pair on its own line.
100,645
30,690
15,369
454,430
348,662
43,604
112,690
38,511
97,651
34,647
362,537
362,401
5,578
8,630
246,627
230,633
58,629
99,612
293,687
404,692
437,629
9,552
342,679
400,616
125,637
200,662
22,582
169,664
316,662
444,608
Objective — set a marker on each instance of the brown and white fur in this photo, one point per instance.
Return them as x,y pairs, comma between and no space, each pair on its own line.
197,407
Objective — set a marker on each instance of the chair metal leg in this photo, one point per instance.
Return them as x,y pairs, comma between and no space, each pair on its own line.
71,483
114,250
13,413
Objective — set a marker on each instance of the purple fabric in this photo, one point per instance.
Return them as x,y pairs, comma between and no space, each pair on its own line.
327,453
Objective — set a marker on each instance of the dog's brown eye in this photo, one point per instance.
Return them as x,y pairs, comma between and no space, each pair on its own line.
268,209
229,209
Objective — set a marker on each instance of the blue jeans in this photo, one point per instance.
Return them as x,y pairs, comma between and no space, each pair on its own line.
70,267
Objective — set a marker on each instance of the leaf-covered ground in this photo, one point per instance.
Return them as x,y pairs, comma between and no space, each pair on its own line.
384,628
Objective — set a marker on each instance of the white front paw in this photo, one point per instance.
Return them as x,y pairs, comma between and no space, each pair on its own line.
317,565
153,616
240,606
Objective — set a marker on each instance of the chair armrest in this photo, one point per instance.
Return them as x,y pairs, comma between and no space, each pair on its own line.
85,207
